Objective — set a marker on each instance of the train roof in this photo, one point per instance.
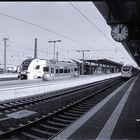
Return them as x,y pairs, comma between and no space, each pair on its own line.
127,65
100,61
49,61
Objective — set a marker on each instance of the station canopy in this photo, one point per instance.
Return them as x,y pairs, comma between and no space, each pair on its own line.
100,61
125,12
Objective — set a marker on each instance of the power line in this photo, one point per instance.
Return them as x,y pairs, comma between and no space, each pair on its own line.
72,27
87,19
93,24
24,47
66,24
44,28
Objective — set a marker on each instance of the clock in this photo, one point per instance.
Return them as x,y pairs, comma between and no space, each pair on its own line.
119,32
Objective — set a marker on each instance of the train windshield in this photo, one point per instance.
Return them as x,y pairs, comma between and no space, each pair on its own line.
126,68
25,64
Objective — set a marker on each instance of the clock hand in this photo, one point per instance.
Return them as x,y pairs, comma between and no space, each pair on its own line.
120,29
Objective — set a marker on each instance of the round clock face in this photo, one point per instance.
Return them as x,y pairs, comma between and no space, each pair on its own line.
119,32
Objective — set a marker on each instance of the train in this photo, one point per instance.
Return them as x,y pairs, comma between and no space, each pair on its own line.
34,68
127,71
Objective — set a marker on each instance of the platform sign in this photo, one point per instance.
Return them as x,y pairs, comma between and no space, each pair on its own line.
21,114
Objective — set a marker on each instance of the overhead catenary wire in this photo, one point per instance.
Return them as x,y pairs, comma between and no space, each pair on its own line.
88,19
75,29
44,28
21,48
93,25
66,24
25,48
74,50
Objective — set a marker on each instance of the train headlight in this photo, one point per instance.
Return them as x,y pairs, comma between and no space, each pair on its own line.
23,72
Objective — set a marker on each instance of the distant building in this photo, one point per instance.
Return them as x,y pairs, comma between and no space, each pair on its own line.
100,66
9,68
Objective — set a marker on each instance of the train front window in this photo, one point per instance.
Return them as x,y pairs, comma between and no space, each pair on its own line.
25,64
126,68
37,67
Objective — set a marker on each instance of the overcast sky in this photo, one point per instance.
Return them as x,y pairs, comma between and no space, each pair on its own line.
79,25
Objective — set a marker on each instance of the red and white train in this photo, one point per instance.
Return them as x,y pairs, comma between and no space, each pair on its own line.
127,71
46,69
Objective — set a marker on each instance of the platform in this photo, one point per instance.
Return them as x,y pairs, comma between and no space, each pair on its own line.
115,117
8,76
23,88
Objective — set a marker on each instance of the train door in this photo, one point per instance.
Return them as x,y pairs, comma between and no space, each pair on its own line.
38,72
52,71
71,71
47,73
57,71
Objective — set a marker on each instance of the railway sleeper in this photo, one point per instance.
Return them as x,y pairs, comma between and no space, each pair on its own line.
40,131
72,114
14,138
79,109
57,124
62,120
30,135
50,127
85,104
6,105
82,107
76,111
66,117
23,135
1,106
35,133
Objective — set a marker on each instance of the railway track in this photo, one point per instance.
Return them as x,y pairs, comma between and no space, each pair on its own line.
39,98
49,124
